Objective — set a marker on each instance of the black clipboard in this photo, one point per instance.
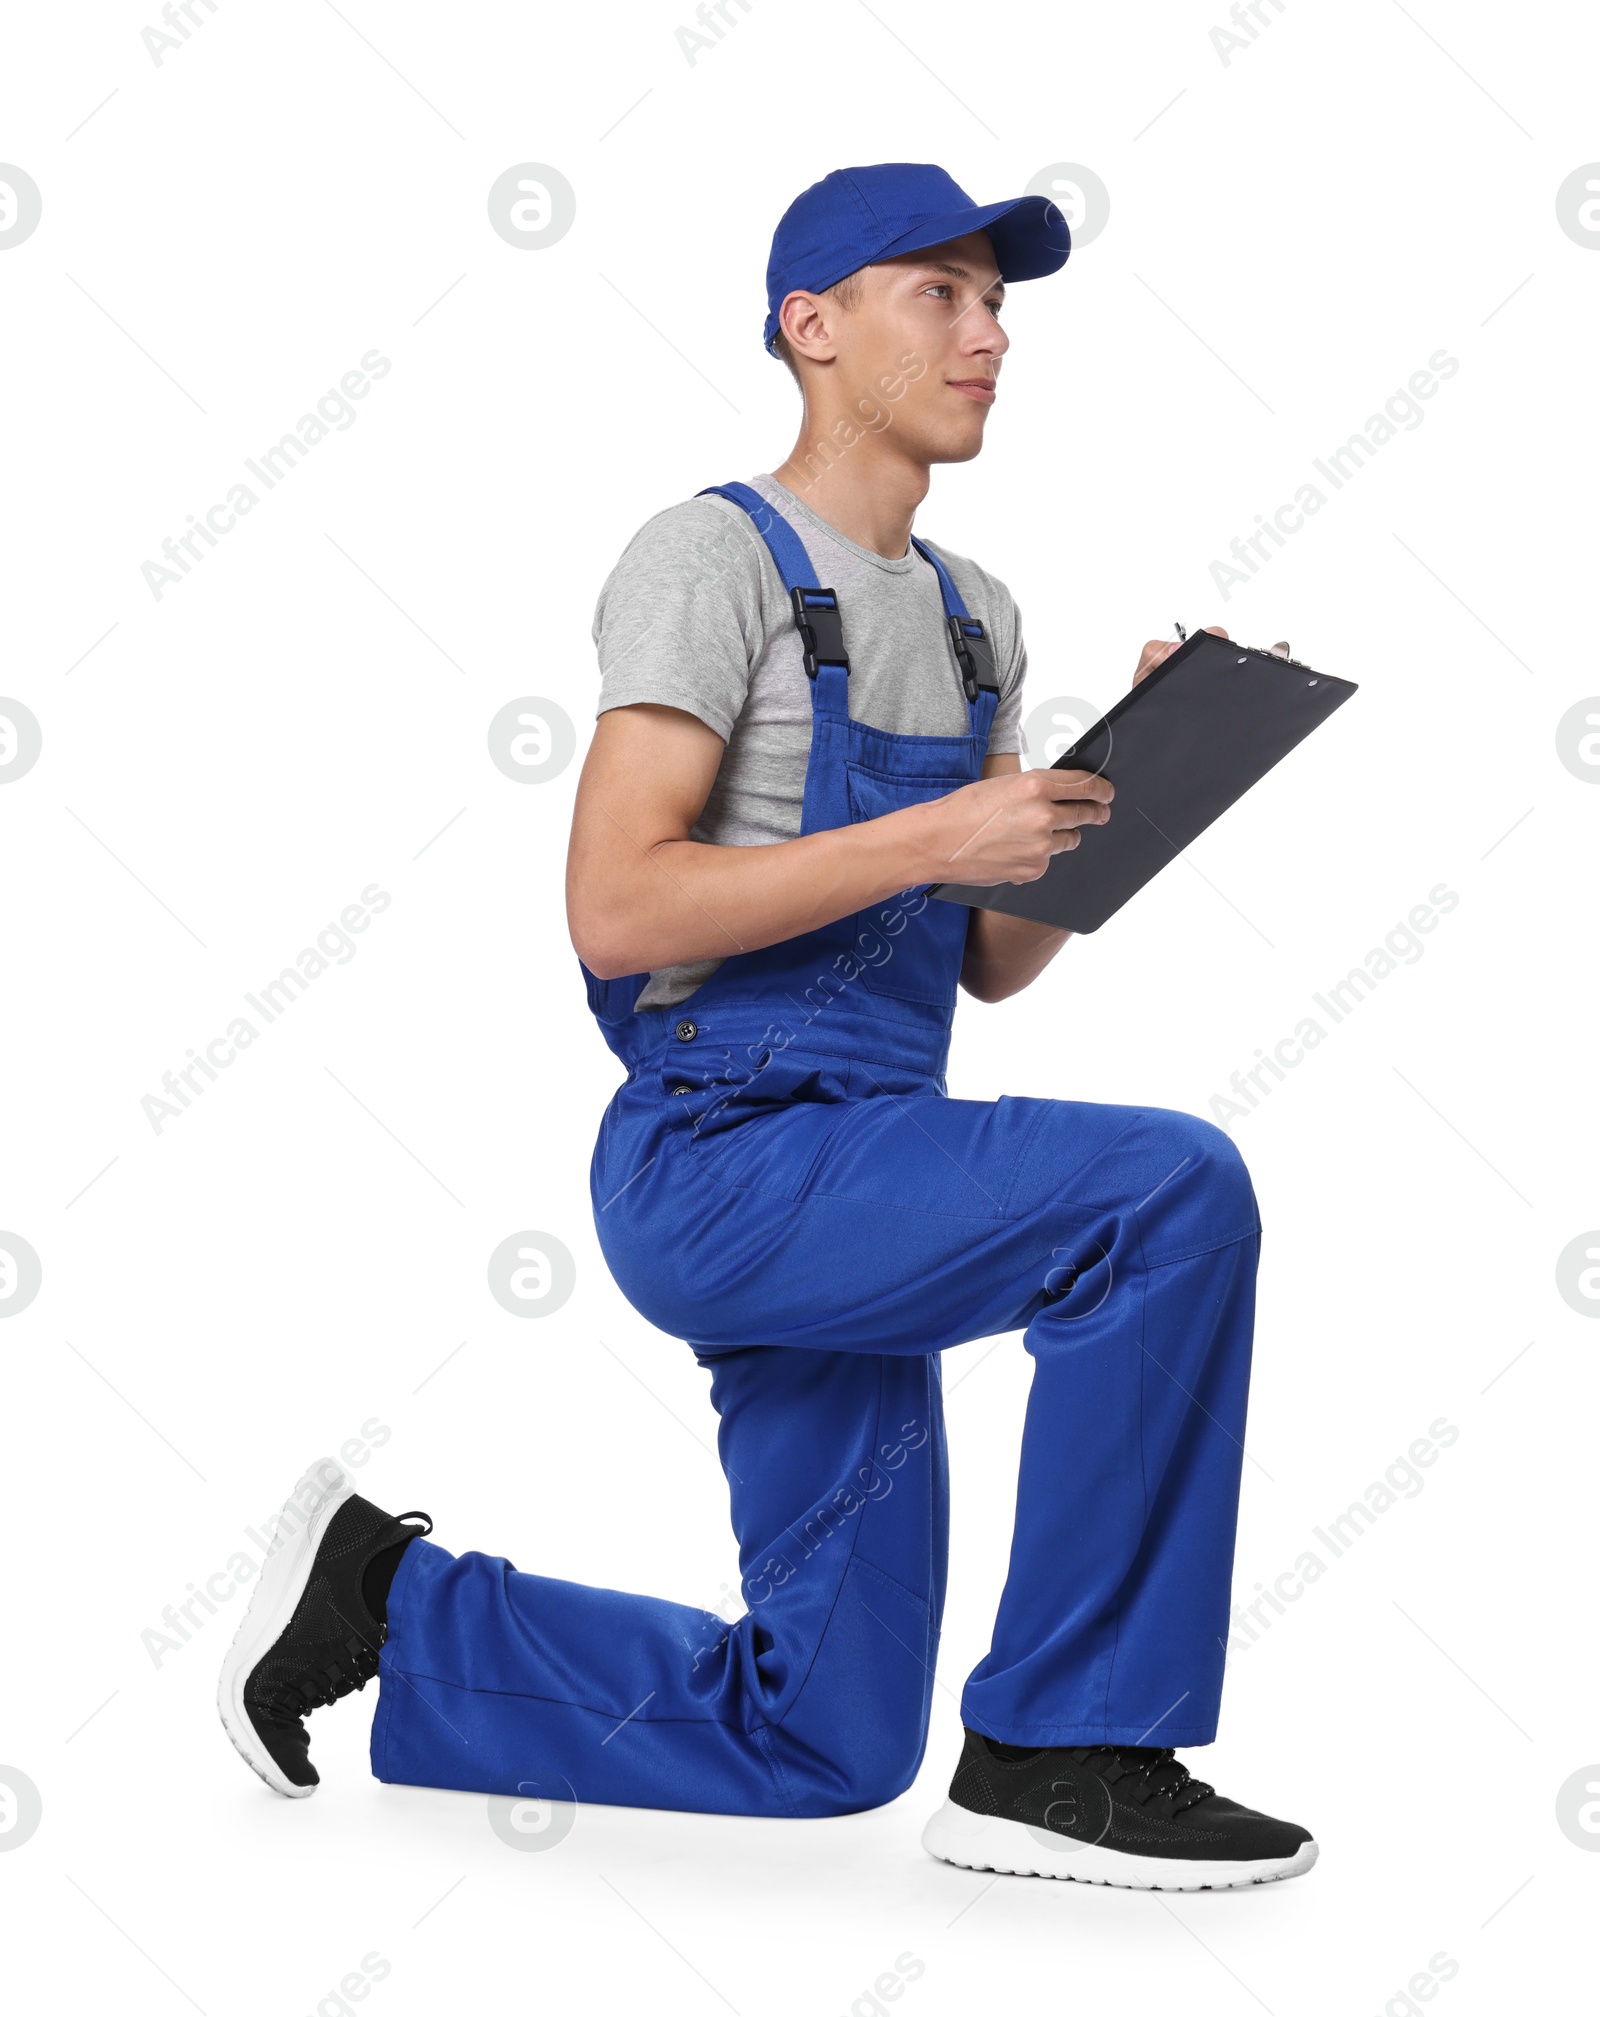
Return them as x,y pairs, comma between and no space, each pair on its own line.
1189,740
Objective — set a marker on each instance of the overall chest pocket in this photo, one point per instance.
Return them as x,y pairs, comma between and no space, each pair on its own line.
910,947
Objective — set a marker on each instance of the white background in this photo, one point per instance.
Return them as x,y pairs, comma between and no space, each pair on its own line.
1292,234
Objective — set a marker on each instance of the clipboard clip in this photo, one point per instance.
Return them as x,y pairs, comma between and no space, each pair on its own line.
1279,650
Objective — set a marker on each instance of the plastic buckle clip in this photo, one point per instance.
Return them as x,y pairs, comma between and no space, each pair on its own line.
821,629
974,655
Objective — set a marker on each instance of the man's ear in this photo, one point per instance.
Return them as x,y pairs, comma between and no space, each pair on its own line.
805,320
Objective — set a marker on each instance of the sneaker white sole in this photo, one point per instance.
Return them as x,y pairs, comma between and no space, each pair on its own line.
1013,1849
306,1516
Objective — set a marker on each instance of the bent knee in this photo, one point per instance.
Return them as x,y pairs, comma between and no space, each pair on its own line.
842,1762
1203,1183
895,1769
859,1778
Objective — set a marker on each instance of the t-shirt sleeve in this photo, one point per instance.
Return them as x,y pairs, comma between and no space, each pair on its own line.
678,622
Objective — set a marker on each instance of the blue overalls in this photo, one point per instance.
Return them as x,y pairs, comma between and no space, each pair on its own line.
783,1182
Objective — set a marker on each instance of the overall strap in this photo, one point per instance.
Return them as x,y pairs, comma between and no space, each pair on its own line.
974,652
816,609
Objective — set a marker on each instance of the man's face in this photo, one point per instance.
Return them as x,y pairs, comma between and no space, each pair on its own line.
931,319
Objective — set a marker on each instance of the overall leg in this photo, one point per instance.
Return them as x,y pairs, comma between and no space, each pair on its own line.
815,1701
1113,1620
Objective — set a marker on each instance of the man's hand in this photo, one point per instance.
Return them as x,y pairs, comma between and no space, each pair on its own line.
1005,828
1159,649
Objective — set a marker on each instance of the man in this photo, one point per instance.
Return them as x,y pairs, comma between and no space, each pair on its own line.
807,717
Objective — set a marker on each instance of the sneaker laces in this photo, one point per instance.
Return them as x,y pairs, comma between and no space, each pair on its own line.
322,1685
1154,1771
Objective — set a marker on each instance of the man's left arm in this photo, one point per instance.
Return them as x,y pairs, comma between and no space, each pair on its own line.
1005,953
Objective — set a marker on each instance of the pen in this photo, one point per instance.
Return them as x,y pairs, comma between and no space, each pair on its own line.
1183,635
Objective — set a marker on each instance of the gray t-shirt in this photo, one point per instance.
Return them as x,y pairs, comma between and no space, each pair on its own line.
694,616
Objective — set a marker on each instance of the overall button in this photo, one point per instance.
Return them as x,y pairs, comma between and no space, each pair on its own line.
687,1031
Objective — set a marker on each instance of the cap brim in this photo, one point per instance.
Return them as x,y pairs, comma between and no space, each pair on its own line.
1029,235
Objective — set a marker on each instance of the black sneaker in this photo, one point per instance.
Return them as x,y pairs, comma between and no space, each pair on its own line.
1106,1814
312,1631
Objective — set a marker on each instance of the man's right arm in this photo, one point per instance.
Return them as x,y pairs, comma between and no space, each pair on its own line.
642,894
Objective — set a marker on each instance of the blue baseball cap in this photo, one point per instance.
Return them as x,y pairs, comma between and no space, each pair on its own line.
857,216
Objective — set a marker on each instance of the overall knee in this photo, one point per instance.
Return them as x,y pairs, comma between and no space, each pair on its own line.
1204,1185
871,1769
855,1737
